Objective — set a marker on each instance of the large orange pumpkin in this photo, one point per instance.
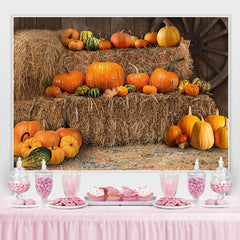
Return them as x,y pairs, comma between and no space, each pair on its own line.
69,81
164,80
171,134
68,35
139,80
104,75
27,126
121,40
221,136
29,145
66,130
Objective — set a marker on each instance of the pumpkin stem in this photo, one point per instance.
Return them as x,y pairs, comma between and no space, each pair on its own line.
176,88
150,84
225,124
130,32
134,67
189,110
173,62
217,112
102,58
66,69
44,123
122,31
21,140
166,23
70,36
202,119
66,125
53,145
29,118
85,28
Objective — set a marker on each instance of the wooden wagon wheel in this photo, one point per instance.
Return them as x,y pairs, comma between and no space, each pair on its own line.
200,40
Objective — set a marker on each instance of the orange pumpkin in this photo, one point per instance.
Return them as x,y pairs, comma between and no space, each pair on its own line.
121,40
151,37
18,145
47,137
221,136
187,122
52,91
69,81
139,80
27,126
75,45
164,80
141,43
122,91
66,130
192,89
104,44
104,75
68,35
149,89
171,134
29,145
70,146
57,155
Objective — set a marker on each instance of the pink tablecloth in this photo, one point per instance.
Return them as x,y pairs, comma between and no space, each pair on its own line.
115,223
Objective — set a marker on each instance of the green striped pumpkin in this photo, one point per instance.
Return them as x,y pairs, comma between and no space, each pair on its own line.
81,91
92,44
131,88
94,92
203,85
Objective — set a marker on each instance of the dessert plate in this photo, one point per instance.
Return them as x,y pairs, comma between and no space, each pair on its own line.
172,207
120,203
68,207
13,205
215,206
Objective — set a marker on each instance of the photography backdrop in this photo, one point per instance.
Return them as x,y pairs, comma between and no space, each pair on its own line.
149,178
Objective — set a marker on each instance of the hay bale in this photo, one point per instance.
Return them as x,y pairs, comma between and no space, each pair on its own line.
39,56
134,119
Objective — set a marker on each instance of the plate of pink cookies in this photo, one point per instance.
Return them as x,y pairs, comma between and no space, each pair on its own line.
68,203
24,203
215,203
172,203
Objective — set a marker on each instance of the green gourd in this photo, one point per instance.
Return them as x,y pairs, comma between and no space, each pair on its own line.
82,91
91,44
131,88
94,92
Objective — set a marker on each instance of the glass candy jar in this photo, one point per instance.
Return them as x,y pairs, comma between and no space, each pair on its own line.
44,182
221,182
19,180
196,182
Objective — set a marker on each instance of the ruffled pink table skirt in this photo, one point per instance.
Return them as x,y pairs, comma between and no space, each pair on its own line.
115,223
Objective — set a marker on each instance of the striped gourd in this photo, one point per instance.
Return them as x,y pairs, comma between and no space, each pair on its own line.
81,91
91,44
131,88
84,35
35,157
94,92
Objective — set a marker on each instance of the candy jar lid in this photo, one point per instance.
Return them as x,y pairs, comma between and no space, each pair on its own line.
18,172
44,171
221,171
196,171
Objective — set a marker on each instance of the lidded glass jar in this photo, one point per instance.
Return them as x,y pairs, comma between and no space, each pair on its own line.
19,180
196,182
44,182
221,182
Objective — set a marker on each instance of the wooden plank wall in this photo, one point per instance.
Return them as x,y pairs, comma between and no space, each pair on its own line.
138,26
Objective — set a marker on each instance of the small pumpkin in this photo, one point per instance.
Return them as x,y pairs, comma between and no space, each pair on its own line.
221,136
168,36
164,80
187,122
82,91
66,130
141,43
18,145
27,126
202,135
151,37
70,146
84,35
192,89
170,135
182,84
47,137
134,38
104,44
216,120
91,44
139,80
68,35
75,45
104,75
121,40
57,155
29,145
53,91
109,93
68,81
182,141
122,91
131,88
149,89
94,92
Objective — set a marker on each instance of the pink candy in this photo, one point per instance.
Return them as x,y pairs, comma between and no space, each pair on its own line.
25,202
43,186
215,202
19,187
70,202
221,187
172,201
196,186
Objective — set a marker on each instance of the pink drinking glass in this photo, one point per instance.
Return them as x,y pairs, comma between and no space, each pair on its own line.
169,183
71,183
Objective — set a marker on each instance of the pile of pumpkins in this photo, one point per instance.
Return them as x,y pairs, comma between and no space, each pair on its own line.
33,143
108,78
167,36
202,133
